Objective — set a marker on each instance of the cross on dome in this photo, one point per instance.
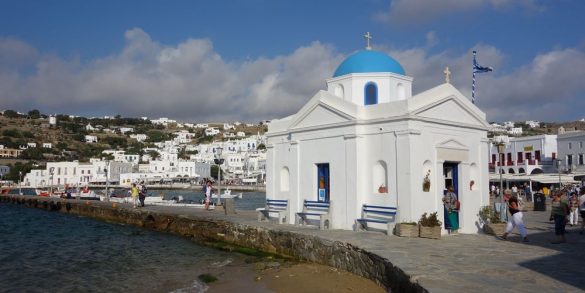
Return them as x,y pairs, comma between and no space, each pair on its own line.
368,38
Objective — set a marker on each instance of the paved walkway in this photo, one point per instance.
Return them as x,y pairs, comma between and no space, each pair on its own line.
462,263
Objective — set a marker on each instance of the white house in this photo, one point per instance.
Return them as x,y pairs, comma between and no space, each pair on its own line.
367,140
211,131
91,139
241,134
227,126
532,124
124,130
571,151
515,131
47,145
139,137
525,155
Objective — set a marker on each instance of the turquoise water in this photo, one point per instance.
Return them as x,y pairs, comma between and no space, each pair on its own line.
44,251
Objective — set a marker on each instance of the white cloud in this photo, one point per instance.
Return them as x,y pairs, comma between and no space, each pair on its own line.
188,81
191,81
422,11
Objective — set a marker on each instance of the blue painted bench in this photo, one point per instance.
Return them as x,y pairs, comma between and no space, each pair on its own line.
274,206
376,214
315,209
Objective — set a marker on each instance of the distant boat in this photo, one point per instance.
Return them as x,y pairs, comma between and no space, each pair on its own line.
228,194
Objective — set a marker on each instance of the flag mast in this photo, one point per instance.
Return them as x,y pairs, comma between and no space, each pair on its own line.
477,69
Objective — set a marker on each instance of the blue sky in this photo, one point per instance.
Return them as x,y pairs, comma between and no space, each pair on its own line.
229,60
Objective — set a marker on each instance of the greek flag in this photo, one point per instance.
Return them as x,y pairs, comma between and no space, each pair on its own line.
478,68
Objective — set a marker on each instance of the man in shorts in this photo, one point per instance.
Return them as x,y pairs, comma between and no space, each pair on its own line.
582,209
208,195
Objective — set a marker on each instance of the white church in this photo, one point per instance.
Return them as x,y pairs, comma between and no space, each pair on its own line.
367,140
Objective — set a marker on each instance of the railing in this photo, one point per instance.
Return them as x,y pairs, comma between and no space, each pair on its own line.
509,163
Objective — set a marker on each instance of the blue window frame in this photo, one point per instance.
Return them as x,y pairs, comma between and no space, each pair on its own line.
370,94
323,182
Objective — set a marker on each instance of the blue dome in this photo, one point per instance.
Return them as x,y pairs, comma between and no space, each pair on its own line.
368,61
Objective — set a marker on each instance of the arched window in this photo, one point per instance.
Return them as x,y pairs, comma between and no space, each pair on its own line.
380,177
339,90
400,91
284,179
370,94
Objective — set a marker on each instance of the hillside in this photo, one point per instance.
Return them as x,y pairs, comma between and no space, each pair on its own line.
67,138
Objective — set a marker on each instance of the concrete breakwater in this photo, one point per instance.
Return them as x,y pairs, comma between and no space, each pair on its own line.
242,230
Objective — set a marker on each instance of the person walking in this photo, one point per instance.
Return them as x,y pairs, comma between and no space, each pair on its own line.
582,210
558,213
142,193
134,194
208,190
574,210
516,220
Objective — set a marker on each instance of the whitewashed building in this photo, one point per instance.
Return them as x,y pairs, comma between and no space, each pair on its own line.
367,140
525,155
571,149
91,139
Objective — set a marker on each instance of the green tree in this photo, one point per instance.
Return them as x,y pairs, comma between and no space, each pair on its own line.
153,154
11,114
34,114
19,167
214,171
32,154
11,133
261,147
157,136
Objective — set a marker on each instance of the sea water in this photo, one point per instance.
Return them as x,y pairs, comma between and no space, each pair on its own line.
44,251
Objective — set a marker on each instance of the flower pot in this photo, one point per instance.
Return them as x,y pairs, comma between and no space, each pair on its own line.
494,229
406,230
382,189
426,185
430,232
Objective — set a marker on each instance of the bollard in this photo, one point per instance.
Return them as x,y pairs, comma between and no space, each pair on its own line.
229,206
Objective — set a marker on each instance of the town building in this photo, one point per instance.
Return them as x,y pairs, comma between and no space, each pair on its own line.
571,151
524,155
367,140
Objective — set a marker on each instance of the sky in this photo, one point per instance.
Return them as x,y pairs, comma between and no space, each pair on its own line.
212,61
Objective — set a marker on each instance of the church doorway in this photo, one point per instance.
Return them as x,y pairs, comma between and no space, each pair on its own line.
451,177
323,182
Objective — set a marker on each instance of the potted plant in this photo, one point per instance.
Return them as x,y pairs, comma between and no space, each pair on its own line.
429,226
427,182
492,224
407,229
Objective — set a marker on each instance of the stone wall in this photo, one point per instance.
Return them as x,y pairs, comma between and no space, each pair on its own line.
288,244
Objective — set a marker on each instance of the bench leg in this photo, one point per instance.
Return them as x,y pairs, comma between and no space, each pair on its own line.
391,226
324,222
358,226
261,216
281,218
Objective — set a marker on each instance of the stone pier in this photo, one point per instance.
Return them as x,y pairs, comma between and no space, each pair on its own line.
462,263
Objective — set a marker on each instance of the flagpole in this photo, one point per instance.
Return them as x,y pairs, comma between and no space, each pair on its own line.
473,84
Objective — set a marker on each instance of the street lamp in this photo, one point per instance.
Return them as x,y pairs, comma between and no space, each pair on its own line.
501,149
107,180
218,161
20,183
559,169
51,172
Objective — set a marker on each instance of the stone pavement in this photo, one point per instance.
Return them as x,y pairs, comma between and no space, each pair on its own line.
462,263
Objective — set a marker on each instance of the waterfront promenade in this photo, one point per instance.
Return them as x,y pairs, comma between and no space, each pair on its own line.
460,263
